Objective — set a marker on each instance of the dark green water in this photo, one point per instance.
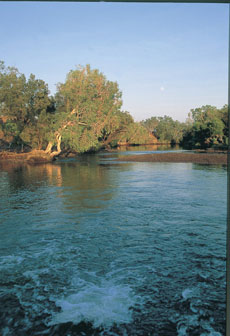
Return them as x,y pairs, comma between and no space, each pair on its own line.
94,247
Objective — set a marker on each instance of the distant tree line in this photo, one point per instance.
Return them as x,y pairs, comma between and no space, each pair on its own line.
205,127
84,114
165,129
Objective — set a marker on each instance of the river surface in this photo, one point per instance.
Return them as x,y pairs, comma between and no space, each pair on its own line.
90,246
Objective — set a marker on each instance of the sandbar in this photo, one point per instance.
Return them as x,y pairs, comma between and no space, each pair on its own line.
201,158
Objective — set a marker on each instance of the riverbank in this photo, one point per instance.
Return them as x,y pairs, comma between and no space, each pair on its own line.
33,157
202,158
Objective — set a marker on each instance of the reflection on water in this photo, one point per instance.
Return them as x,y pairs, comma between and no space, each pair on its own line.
93,247
86,185
149,148
137,150
27,176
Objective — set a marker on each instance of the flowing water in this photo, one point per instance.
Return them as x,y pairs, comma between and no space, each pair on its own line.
90,246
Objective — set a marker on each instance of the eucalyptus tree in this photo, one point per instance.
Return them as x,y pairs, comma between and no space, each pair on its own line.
87,108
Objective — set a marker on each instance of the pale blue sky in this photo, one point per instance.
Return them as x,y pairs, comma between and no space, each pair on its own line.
166,58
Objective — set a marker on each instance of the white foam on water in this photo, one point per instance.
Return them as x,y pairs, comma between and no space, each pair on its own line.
187,293
182,331
190,321
210,330
102,305
34,275
10,260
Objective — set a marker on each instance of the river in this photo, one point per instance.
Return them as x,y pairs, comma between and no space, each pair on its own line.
90,246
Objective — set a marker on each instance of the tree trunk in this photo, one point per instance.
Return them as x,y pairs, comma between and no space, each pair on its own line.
58,151
58,137
49,147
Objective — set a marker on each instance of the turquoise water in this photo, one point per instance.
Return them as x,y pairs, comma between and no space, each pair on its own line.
95,247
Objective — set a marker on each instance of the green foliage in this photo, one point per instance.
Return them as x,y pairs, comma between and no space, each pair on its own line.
12,93
88,109
37,99
165,129
151,124
223,112
86,113
24,106
133,134
205,127
208,128
11,128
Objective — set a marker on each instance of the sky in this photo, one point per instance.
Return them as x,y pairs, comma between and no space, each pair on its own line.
166,58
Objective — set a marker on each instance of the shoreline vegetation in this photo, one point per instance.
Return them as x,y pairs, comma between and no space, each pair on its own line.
85,116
